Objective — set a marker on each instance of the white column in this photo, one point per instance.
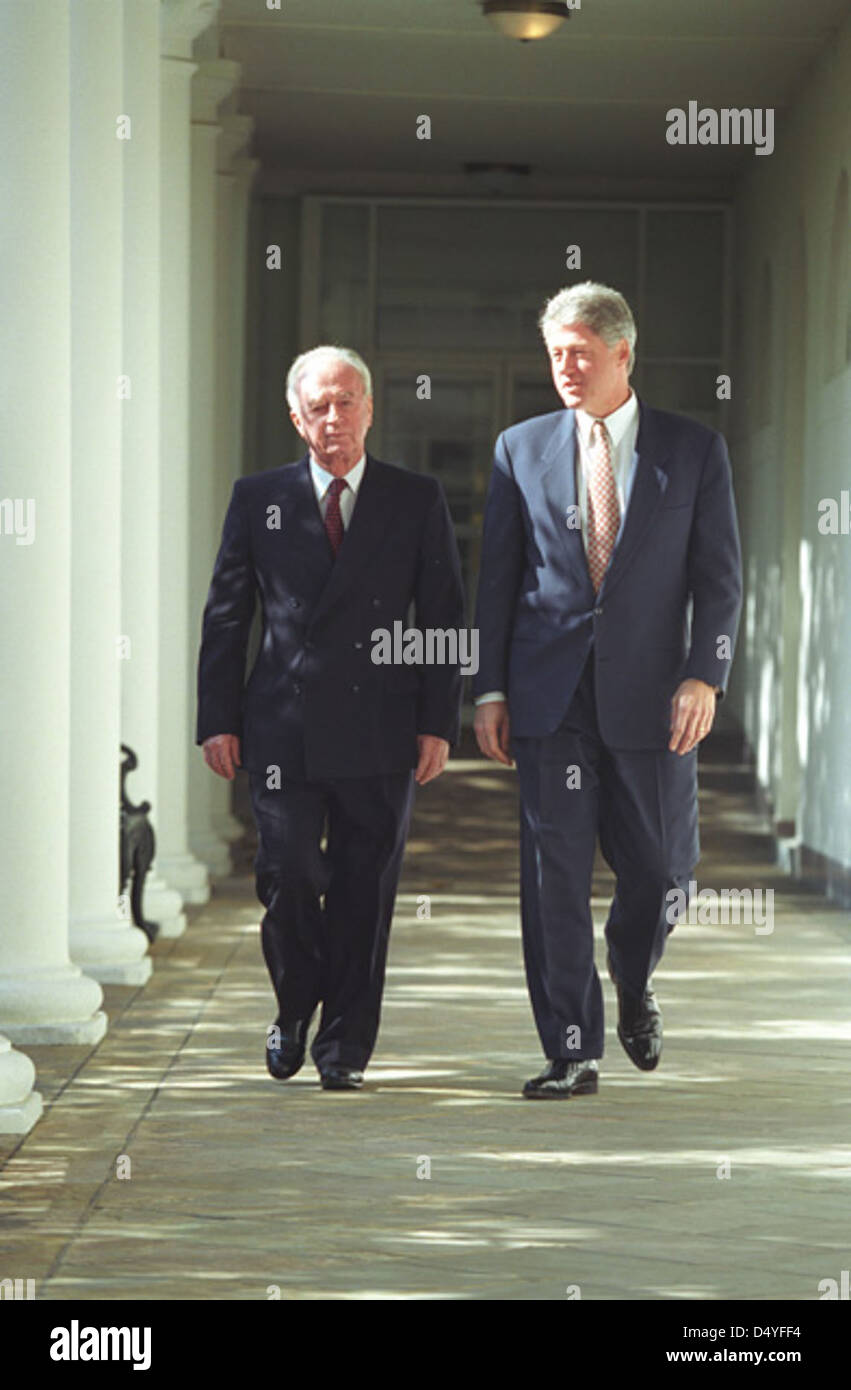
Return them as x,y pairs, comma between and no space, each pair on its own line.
20,1105
43,997
212,84
242,175
235,179
178,866
103,942
140,446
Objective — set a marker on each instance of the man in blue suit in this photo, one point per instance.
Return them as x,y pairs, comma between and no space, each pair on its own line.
608,605
338,547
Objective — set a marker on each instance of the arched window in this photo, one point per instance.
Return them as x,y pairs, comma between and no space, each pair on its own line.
837,334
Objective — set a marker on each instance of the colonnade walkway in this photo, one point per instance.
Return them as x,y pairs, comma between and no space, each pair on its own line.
722,1175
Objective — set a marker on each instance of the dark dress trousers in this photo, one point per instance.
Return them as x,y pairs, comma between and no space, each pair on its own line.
328,737
589,680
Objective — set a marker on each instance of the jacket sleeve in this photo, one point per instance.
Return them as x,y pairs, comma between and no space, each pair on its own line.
439,604
228,615
714,572
500,574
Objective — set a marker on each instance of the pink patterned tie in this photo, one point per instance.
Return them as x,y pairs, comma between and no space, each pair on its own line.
603,511
333,515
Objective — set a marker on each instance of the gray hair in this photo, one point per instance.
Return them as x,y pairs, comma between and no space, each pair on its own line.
598,307
315,357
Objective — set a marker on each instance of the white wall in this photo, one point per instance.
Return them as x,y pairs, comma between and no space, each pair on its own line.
791,446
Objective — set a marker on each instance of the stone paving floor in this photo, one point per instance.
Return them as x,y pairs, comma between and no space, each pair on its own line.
723,1175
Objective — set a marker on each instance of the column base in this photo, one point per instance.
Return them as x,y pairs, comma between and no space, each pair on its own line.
111,952
131,973
20,1119
189,878
20,1105
59,1005
162,905
227,827
212,851
79,1033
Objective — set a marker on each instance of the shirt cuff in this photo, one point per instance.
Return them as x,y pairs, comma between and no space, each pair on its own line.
489,699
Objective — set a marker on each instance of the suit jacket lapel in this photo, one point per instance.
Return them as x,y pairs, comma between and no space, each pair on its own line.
558,480
302,528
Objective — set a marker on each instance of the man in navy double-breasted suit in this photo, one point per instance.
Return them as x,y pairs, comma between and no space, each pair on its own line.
337,547
608,604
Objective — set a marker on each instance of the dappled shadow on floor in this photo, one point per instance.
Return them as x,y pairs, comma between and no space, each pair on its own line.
169,1165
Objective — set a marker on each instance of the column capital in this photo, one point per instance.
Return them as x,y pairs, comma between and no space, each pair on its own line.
181,21
236,136
213,83
245,171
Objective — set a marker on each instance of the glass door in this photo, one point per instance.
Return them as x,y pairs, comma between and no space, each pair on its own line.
530,390
447,429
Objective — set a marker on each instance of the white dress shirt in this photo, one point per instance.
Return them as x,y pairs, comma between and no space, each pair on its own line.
622,426
322,480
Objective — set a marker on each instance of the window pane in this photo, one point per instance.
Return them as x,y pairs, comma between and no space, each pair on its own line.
534,395
450,436
478,277
343,308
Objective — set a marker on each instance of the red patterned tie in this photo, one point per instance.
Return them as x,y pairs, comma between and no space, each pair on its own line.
603,511
333,515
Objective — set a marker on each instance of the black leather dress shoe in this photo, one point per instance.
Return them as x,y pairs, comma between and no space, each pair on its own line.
341,1079
563,1079
284,1061
639,1026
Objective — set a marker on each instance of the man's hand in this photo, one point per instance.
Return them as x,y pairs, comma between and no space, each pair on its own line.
221,753
692,715
490,725
433,754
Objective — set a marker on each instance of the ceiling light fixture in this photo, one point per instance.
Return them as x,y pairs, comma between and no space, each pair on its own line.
526,19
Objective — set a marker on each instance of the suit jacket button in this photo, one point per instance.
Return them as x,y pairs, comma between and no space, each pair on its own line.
295,603
598,612
376,603
358,646
297,689
355,689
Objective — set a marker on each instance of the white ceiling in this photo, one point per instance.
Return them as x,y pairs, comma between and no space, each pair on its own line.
335,87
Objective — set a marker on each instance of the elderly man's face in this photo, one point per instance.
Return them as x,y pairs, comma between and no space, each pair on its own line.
588,374
333,415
